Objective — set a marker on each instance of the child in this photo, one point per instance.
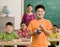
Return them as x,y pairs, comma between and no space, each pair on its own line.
42,25
9,34
23,33
54,34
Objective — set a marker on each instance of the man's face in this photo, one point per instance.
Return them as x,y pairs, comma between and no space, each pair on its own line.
40,13
9,29
29,8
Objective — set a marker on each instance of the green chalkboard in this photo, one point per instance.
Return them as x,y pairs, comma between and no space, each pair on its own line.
52,9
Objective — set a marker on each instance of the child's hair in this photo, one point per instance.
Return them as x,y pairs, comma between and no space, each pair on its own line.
55,26
39,6
9,23
29,5
22,23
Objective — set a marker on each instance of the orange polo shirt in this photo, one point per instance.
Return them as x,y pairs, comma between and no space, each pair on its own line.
41,39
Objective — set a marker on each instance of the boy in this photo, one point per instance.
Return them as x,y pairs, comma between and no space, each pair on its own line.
44,25
23,33
54,34
9,34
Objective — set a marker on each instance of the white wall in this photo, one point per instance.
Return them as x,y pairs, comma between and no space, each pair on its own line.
15,7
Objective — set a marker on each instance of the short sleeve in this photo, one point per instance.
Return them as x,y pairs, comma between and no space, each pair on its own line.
16,35
23,18
30,27
49,26
34,16
19,32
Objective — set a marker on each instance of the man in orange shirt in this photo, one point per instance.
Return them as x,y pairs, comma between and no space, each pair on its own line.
44,25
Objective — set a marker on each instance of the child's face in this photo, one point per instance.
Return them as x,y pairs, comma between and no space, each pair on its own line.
9,29
23,27
55,29
40,13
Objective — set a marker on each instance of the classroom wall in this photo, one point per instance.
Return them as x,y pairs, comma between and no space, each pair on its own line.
16,10
52,9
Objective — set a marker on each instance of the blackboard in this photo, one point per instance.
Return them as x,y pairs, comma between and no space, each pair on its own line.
52,9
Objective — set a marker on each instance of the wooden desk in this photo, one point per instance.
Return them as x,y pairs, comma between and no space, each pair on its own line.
24,43
53,39
14,43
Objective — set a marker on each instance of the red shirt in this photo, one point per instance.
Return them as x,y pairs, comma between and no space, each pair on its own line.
23,34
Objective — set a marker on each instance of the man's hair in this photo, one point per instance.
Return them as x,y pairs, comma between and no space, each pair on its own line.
9,23
29,5
39,6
